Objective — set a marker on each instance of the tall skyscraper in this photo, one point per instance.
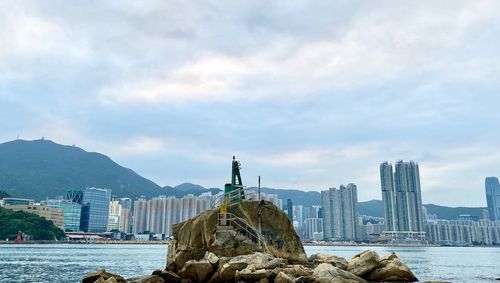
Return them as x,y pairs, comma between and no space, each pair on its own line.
160,213
140,222
493,197
115,211
95,210
388,195
340,213
402,196
72,207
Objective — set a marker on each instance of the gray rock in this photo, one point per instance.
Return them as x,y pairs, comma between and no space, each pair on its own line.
297,271
391,268
326,272
276,263
198,271
363,263
212,258
336,261
282,277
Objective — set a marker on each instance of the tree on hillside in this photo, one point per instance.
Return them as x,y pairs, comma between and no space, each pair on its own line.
37,227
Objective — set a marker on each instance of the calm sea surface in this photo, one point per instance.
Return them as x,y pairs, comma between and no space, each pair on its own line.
70,262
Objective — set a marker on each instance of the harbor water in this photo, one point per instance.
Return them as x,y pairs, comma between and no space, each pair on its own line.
70,262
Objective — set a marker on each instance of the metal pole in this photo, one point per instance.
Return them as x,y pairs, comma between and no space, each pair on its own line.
259,188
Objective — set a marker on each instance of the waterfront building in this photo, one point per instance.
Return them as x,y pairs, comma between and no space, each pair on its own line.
340,213
72,216
140,220
54,214
125,225
388,195
95,210
463,232
493,197
401,194
159,214
115,211
312,226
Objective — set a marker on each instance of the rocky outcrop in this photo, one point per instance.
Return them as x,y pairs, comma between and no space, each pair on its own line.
363,263
266,268
391,268
102,275
326,272
194,237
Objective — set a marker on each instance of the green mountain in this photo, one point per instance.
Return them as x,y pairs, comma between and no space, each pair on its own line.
37,227
41,168
376,208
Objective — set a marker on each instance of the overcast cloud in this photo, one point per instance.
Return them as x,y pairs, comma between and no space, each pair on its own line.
307,94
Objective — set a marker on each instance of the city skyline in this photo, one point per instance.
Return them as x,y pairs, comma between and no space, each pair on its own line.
309,94
402,197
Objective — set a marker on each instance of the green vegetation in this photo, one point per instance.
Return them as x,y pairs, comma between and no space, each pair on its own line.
41,168
4,195
37,227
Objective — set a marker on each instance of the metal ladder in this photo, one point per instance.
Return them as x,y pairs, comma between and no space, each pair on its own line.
241,225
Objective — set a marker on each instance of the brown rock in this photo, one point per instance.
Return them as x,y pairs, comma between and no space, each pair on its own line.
363,263
282,277
297,271
147,279
198,271
336,261
94,276
326,272
276,263
168,276
391,268
212,258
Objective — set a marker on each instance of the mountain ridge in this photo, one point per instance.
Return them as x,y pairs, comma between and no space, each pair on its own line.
42,168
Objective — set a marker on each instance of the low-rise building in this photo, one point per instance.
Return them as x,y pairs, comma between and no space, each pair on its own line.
56,215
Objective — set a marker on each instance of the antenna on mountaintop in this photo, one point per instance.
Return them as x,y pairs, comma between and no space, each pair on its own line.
17,137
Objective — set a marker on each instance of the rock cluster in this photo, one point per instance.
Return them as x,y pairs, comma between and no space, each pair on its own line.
265,268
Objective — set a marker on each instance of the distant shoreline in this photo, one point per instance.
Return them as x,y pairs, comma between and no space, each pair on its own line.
308,244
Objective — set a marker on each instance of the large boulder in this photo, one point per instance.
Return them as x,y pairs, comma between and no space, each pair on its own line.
101,273
198,271
282,277
227,270
363,263
391,268
326,272
336,261
168,276
194,237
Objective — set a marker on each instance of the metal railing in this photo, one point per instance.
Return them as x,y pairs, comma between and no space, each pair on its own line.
234,197
240,224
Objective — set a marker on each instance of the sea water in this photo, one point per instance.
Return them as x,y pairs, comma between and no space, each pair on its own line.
70,262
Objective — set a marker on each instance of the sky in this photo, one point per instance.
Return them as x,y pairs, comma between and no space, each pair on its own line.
306,94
